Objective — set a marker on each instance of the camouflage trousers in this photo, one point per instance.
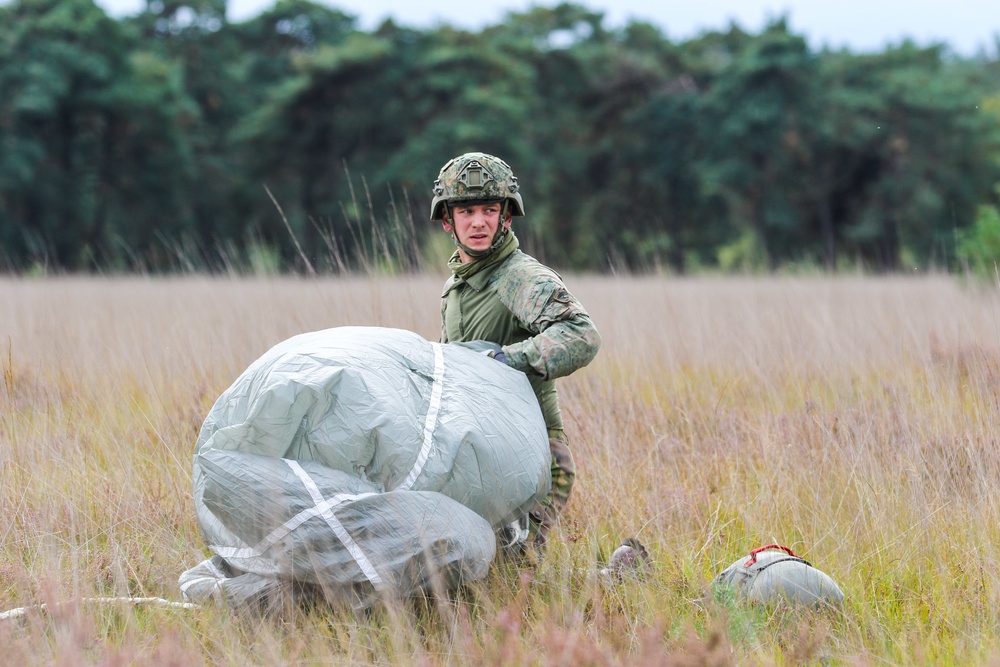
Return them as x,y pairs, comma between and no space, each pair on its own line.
545,515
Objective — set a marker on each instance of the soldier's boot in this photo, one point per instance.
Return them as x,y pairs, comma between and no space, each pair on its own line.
545,515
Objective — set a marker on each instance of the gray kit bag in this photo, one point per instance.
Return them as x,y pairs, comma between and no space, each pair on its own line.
771,577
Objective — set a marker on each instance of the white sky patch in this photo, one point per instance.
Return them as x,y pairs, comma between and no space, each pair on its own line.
968,26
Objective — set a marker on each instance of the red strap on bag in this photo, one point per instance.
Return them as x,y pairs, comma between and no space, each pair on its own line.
753,554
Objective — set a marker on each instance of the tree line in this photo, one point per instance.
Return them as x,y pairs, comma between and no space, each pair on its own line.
177,140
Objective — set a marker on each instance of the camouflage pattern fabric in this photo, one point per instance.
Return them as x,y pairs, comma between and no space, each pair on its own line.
564,337
508,298
546,514
475,177
511,299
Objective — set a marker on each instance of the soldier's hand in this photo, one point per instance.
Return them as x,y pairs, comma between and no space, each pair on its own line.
498,355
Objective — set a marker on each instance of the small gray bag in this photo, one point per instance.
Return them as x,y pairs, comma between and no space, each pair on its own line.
771,577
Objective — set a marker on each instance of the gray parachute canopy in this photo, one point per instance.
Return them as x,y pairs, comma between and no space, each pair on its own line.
363,461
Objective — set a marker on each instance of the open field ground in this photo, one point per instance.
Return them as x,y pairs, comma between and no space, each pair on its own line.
856,420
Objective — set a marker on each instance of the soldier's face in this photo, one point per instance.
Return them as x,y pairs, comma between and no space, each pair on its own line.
475,226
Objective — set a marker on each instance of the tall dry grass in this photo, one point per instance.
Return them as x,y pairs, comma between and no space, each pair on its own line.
853,419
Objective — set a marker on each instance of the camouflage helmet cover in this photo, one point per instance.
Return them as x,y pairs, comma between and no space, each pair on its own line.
475,178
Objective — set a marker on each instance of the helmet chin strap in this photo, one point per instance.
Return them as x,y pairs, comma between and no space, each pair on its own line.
498,238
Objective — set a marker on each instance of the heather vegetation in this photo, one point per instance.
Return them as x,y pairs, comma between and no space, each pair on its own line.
854,419
146,143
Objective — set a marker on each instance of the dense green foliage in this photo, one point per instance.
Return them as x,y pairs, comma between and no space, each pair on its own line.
153,142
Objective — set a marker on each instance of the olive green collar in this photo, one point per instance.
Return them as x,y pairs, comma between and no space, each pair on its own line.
477,273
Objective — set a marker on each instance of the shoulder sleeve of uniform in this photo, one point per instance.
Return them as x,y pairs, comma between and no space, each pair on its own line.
525,287
565,337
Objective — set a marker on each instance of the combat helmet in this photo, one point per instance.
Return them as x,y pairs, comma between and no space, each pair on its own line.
476,178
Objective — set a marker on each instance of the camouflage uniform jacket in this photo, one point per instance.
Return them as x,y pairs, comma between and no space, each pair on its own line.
525,307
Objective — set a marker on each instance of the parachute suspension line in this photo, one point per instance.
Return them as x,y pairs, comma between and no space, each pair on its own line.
430,422
160,602
338,528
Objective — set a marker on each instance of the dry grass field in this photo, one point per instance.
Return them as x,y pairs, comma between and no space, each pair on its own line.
856,420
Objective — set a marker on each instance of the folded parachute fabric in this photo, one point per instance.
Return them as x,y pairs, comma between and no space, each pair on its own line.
360,461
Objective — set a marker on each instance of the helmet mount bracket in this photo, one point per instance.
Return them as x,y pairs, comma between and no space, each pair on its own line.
475,176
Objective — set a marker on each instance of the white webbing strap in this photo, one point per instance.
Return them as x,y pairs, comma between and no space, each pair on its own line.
285,528
338,528
323,509
430,422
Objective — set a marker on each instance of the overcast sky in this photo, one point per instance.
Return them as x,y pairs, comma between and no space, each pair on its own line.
861,25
